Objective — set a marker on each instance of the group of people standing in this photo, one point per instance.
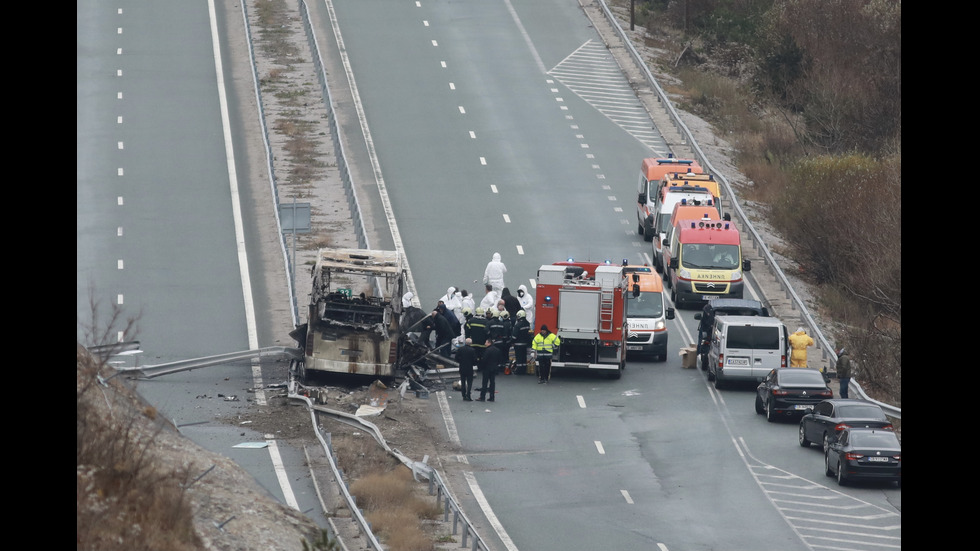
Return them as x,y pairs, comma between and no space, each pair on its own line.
482,336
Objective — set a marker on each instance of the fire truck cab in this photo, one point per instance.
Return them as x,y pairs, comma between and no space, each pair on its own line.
584,303
704,261
652,170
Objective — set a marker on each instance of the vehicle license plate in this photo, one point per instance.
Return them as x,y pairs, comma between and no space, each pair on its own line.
737,361
628,347
801,406
878,459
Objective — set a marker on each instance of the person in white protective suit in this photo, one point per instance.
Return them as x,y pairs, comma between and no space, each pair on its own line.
467,301
527,303
494,274
489,301
453,303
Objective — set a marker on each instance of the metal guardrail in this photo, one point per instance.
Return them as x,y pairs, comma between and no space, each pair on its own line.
437,485
152,371
328,450
746,223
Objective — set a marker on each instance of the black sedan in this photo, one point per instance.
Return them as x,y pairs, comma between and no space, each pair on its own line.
870,454
830,417
790,391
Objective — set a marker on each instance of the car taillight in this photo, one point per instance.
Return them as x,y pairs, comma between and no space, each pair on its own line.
782,361
852,456
888,427
721,360
897,457
779,392
826,393
841,426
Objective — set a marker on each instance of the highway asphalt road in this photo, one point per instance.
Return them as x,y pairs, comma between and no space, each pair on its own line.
165,224
488,143
485,149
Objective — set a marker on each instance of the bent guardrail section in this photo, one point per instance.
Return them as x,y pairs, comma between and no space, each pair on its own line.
437,486
152,371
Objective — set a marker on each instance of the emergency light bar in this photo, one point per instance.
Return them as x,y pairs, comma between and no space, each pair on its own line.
705,223
708,202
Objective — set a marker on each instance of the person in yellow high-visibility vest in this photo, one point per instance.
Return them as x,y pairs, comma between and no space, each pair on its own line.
544,344
799,342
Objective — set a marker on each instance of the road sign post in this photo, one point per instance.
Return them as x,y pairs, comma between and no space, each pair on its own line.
294,218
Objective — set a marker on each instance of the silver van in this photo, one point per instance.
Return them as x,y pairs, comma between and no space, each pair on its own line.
745,348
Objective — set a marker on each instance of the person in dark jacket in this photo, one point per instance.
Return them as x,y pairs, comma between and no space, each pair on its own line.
437,323
843,371
490,364
466,358
497,328
477,331
704,334
411,315
511,303
450,317
521,338
508,337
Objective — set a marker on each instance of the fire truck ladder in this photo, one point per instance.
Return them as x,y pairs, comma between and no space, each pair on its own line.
606,303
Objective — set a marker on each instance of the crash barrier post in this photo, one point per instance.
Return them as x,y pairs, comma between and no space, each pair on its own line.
743,218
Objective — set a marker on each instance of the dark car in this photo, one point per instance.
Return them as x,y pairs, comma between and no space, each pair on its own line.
830,417
790,391
722,307
860,453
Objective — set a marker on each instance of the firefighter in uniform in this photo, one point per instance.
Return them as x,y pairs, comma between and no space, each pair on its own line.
497,327
521,337
476,330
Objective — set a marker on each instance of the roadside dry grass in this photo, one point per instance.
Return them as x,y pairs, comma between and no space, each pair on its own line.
395,508
126,498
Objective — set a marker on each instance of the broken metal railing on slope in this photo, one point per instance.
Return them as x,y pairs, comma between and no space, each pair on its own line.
437,485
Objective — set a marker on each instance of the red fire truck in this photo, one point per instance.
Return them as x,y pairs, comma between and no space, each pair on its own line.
584,303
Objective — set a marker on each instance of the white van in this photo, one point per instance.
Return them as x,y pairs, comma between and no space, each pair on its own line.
745,348
690,195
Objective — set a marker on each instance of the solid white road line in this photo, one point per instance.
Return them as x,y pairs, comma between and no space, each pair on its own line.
287,490
491,517
253,339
